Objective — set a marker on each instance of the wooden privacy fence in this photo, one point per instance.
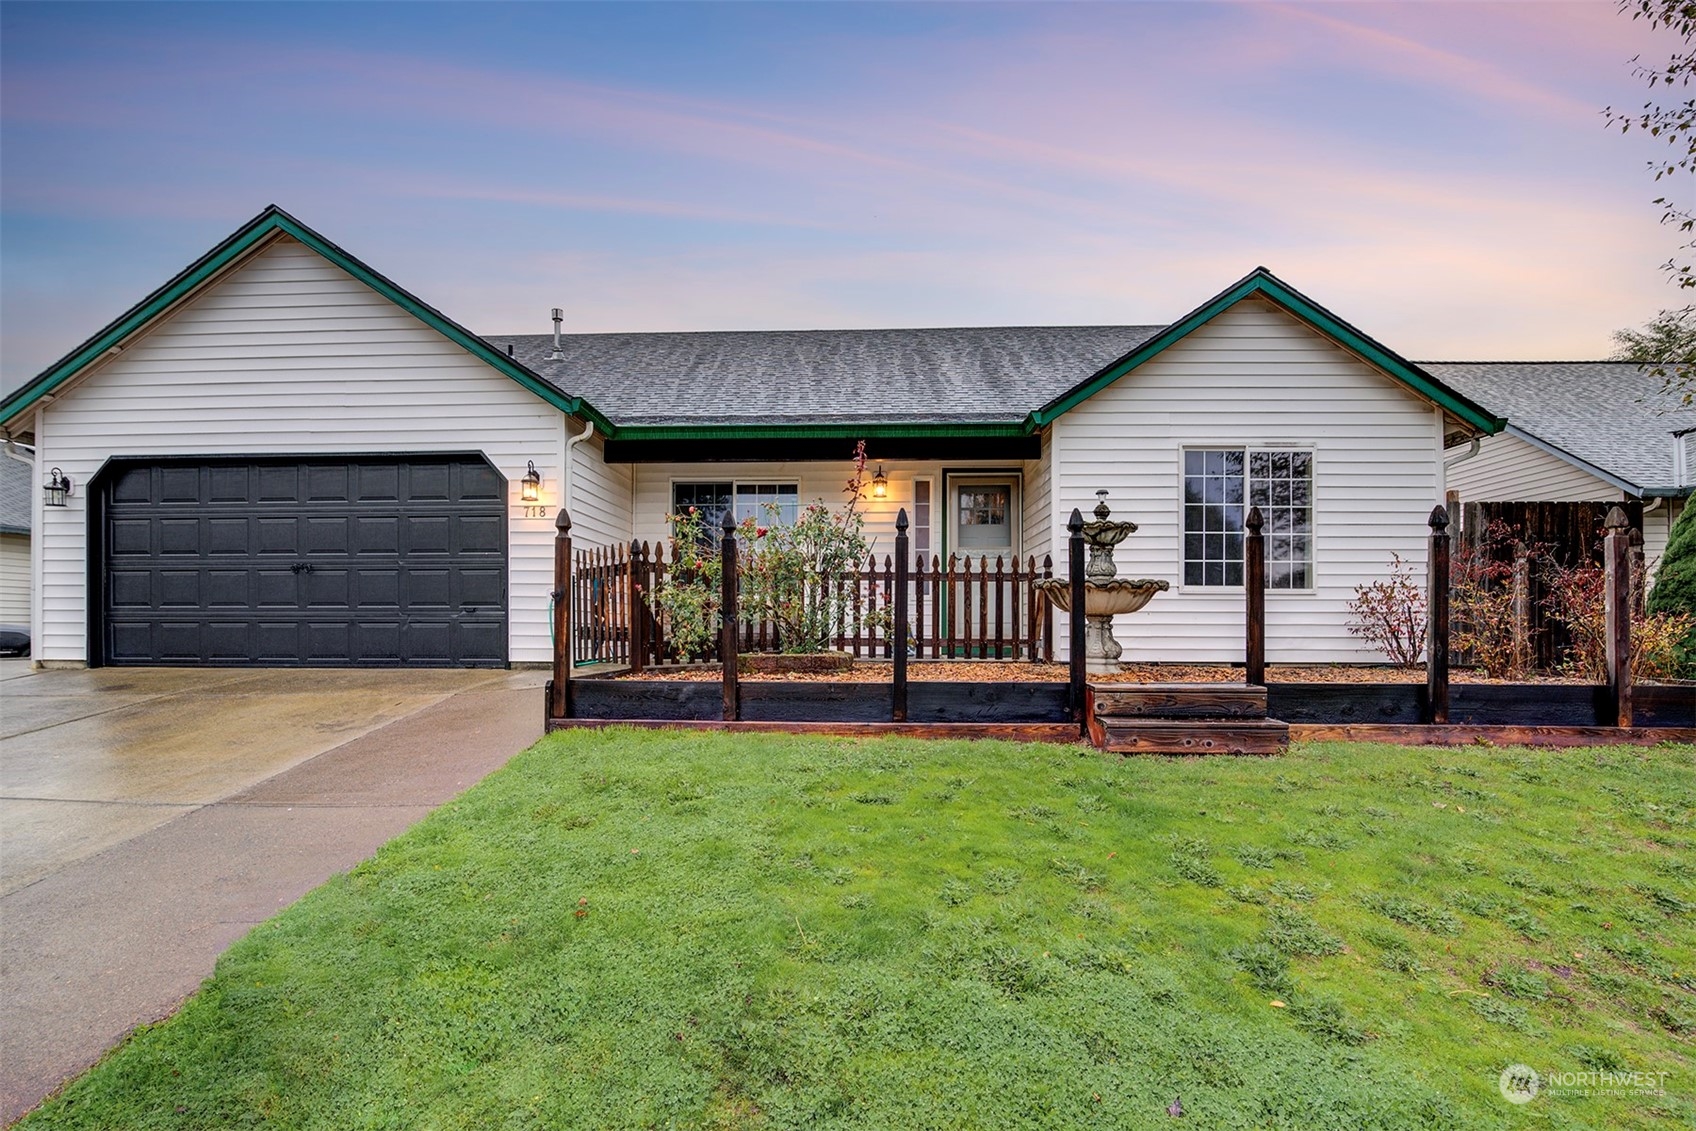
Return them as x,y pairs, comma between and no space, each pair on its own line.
1526,539
962,608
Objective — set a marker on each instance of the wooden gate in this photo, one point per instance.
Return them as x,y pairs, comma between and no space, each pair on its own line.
1566,534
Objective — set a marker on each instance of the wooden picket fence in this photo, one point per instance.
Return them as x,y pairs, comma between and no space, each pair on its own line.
961,608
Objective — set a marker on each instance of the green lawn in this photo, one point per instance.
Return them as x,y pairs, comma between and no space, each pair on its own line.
627,929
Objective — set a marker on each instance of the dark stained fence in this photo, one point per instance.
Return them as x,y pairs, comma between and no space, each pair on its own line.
962,608
1569,534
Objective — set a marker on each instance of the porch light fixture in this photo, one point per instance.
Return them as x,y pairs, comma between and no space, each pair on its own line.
880,483
57,488
530,490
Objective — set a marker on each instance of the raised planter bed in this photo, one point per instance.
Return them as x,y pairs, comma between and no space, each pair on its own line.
820,701
1013,701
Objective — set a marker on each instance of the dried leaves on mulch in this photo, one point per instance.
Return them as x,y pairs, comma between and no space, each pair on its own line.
1023,671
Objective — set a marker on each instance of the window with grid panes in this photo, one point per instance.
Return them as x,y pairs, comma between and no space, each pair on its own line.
763,502
709,499
921,520
1220,484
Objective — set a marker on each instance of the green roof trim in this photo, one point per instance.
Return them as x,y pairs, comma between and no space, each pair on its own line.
270,223
274,222
1263,283
870,430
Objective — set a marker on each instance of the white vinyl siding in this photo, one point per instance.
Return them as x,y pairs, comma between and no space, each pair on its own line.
14,579
1657,528
1509,470
289,354
1038,507
600,494
1254,376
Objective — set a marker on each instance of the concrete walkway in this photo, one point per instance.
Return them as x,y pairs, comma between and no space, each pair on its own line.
150,817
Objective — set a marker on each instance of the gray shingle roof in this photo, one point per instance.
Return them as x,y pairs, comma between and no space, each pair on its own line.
14,496
1608,413
972,375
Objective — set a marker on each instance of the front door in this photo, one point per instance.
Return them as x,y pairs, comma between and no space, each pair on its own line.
983,516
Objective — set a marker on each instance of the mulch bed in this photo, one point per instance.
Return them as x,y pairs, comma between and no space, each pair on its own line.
1015,671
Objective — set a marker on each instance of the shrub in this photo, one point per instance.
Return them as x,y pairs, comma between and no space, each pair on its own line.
1481,602
1578,598
1674,593
785,573
1390,614
689,592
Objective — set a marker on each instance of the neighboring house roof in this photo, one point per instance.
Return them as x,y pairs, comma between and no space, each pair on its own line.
1609,418
987,382
978,375
15,477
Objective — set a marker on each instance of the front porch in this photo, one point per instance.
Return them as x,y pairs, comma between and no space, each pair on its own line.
992,672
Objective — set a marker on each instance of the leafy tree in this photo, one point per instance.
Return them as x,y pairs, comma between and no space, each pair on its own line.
1675,582
1666,347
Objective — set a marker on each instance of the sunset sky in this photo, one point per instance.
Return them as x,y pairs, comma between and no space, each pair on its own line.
1438,173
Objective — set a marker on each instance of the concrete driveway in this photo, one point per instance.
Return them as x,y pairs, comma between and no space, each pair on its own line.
150,816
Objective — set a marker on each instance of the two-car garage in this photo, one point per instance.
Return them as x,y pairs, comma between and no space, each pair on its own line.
277,561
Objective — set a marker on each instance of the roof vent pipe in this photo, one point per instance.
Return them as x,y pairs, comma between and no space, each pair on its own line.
558,354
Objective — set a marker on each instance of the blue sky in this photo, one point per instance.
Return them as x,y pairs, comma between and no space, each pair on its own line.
1437,173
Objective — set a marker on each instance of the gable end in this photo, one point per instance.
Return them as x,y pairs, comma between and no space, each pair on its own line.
1261,282
255,234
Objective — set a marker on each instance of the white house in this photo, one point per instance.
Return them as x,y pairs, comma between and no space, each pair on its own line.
281,457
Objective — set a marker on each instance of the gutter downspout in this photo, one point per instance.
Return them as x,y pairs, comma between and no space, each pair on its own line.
11,449
1470,452
1451,463
565,472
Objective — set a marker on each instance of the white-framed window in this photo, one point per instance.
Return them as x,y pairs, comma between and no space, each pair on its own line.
921,519
1220,484
761,501
768,502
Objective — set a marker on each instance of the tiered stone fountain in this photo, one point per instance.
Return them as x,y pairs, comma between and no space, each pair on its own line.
1105,594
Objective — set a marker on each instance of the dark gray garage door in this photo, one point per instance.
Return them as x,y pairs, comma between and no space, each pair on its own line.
372,562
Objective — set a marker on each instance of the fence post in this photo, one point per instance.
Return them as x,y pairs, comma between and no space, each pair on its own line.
559,687
1075,619
1437,619
1047,613
633,602
728,614
1254,598
1521,607
1616,555
899,714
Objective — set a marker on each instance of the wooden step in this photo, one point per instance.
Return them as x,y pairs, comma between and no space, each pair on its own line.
1178,700
1190,736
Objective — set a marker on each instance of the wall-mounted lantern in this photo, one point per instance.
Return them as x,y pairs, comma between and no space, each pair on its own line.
57,488
530,489
880,483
